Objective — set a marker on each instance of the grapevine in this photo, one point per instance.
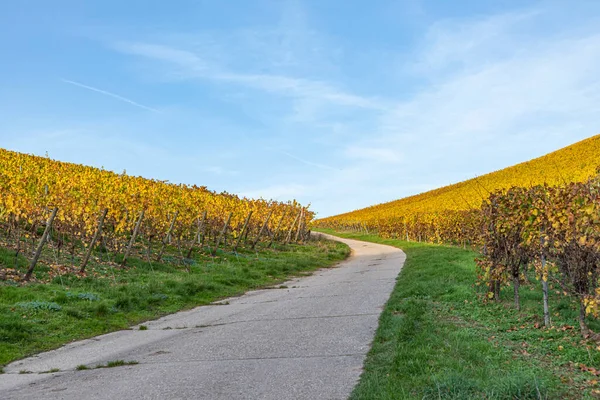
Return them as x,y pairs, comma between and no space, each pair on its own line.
186,217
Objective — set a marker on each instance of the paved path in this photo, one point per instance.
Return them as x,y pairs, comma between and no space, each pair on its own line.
307,341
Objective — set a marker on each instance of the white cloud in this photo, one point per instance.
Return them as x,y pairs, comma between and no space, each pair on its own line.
549,85
451,44
192,66
492,91
486,112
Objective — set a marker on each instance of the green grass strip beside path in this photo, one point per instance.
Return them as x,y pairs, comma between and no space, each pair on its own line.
44,316
438,340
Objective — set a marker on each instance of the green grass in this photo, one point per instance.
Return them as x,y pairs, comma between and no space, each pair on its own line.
438,339
37,317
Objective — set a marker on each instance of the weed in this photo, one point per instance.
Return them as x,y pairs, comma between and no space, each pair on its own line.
51,371
34,306
117,363
83,296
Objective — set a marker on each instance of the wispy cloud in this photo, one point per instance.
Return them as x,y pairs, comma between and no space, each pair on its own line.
453,44
107,93
513,93
471,95
190,65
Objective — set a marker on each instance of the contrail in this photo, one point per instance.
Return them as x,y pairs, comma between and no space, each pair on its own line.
116,96
323,166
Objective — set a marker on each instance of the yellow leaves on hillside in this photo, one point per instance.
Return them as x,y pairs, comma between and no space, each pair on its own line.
32,185
441,207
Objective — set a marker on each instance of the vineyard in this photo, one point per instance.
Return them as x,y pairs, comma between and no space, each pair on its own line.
555,230
537,219
449,214
62,215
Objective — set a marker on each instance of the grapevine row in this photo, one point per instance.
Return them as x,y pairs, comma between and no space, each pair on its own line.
553,231
438,215
541,216
124,211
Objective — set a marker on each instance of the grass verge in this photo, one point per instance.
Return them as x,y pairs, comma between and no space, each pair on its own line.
438,339
43,316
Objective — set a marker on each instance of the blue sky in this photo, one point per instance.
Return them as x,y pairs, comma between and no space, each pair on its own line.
335,103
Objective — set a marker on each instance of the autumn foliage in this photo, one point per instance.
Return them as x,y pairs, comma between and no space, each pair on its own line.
31,187
539,217
447,214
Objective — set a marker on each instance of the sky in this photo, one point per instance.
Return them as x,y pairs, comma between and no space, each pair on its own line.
340,104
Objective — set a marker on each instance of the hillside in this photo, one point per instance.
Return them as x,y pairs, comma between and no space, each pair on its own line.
75,208
574,163
32,185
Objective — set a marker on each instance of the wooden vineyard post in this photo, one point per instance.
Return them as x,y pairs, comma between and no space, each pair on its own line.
222,235
136,230
239,239
196,238
202,228
245,239
300,222
167,236
88,253
547,322
289,235
18,238
38,252
274,235
149,250
262,228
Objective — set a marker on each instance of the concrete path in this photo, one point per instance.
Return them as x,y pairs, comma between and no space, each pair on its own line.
307,341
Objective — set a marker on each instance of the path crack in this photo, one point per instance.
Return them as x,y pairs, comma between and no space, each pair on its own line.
254,358
268,320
